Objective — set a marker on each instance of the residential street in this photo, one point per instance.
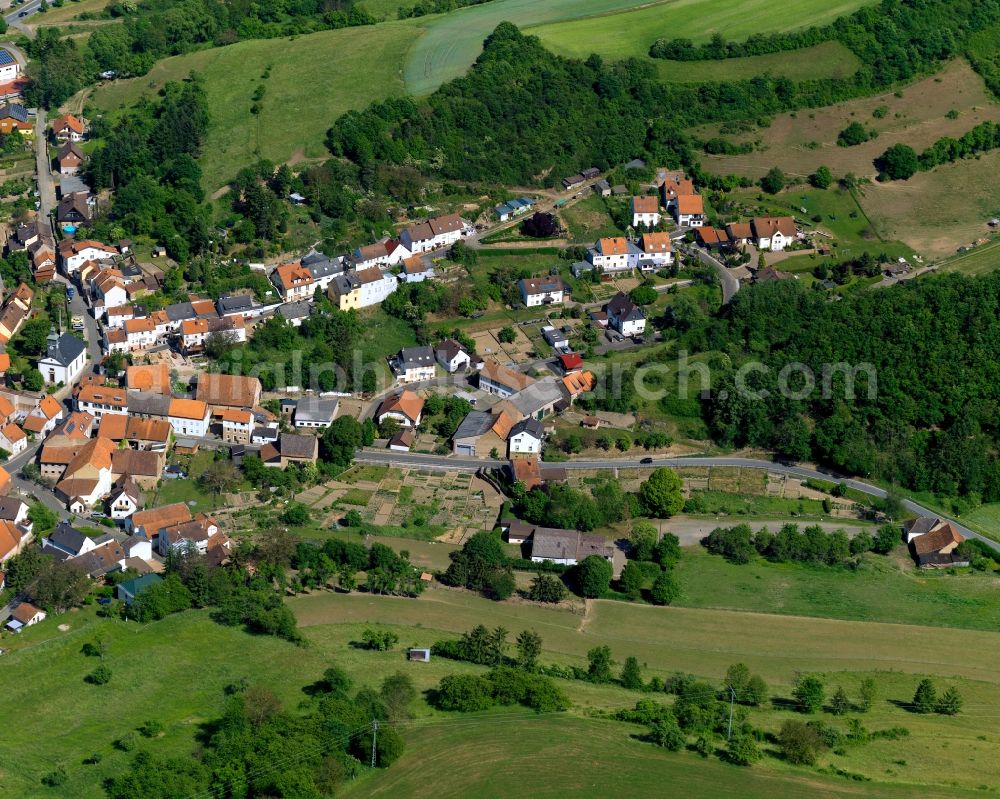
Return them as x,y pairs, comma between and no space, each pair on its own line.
730,285
46,184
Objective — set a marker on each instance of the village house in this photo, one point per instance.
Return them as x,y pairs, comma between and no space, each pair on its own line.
16,511
362,289
144,467
73,211
689,210
577,383
44,416
13,439
655,251
405,407
324,270
140,334
75,254
495,378
232,391
14,118
116,317
388,252
313,413
25,614
294,282
195,332
614,254
98,400
188,417
540,399
625,316
452,356
9,68
645,211
440,231
237,425
773,232
416,269
68,128
148,523
290,448
88,477
739,234
128,590
70,158
537,291
402,441
526,438
568,547
13,539
64,360
482,433
414,364
934,543
126,498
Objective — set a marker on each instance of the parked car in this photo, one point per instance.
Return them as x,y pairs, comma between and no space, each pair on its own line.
174,473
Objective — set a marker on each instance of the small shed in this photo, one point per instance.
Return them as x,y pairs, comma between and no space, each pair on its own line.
419,655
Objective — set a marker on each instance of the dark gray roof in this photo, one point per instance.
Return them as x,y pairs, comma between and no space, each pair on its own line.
230,304
530,426
621,306
67,538
64,349
148,403
477,423
12,111
267,433
413,357
312,409
295,310
324,268
313,258
180,311
449,348
553,544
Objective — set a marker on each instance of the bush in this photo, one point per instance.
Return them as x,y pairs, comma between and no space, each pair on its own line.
809,694
742,750
800,743
464,693
592,576
55,778
667,733
899,162
774,181
853,135
545,588
99,676
665,589
925,698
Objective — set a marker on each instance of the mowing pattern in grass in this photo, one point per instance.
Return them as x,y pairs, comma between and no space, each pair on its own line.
630,33
453,41
884,589
314,79
827,60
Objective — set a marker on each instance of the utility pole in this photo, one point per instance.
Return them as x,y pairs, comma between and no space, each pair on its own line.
732,700
374,739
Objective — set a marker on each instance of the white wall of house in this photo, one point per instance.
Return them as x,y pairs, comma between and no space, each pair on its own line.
524,443
197,428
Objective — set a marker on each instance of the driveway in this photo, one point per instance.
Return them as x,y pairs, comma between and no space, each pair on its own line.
46,184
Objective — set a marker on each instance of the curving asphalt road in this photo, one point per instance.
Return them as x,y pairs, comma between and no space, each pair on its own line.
466,464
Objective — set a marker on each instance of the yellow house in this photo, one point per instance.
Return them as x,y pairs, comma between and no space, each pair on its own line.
345,291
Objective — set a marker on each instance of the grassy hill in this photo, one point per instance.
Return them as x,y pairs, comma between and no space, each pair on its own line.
175,671
630,33
829,59
313,80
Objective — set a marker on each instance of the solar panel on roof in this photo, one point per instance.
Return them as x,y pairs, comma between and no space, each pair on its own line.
6,58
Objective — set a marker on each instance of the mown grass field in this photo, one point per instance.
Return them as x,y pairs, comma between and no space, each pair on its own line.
450,43
314,79
883,590
630,33
826,60
508,757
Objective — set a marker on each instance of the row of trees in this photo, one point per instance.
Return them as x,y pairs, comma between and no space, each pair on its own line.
901,161
813,544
